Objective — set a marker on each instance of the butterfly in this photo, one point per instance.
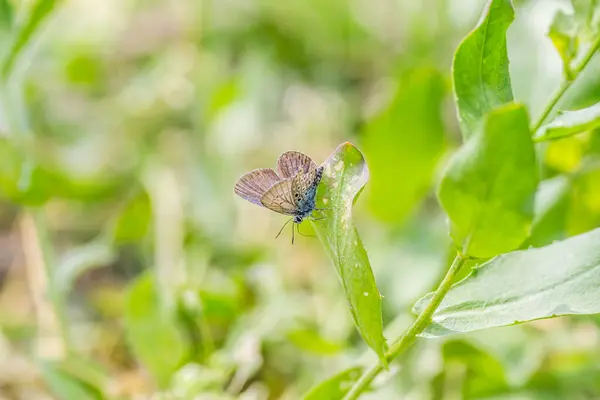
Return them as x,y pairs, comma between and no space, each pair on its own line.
292,190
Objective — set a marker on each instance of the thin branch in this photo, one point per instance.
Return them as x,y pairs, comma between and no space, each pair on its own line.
407,339
566,84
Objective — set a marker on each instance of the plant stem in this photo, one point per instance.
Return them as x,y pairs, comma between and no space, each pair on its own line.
407,339
566,84
49,304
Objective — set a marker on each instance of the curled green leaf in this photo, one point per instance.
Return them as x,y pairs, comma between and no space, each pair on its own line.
345,174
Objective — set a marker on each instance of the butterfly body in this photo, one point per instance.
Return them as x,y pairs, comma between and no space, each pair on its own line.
292,190
305,202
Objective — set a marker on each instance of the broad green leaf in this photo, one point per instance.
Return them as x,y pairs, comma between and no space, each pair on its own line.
336,387
24,33
489,187
480,68
559,279
66,386
153,332
345,175
403,144
570,123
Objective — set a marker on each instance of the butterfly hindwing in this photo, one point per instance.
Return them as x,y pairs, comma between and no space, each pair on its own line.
253,185
290,162
279,198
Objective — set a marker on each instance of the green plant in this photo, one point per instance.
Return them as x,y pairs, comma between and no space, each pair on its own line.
488,191
123,128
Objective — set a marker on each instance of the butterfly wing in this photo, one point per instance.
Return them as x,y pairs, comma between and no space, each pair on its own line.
290,162
253,185
279,198
302,182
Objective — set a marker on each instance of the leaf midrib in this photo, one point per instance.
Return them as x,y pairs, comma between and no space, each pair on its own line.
517,299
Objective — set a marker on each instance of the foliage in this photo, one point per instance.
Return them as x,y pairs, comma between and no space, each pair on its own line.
129,269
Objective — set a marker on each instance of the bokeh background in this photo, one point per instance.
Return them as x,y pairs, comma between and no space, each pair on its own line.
129,269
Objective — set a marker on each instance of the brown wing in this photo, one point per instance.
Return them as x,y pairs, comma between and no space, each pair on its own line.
290,162
253,185
279,198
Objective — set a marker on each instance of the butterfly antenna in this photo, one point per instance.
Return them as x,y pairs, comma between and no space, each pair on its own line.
284,225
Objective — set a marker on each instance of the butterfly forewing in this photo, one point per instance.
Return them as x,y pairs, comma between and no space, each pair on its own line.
290,162
253,185
279,198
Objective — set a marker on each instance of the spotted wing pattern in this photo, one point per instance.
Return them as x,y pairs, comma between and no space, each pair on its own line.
290,162
302,183
279,198
253,185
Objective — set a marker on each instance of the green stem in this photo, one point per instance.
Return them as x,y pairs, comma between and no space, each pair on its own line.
566,84
407,339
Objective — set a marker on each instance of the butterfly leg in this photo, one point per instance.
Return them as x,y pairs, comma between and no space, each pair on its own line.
284,225
293,233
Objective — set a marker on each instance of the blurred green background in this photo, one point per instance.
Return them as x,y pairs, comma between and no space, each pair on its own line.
128,268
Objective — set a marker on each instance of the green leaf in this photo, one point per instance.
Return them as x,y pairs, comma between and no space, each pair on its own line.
480,69
39,11
6,16
563,33
584,207
559,279
311,341
486,374
568,30
134,220
570,123
152,331
345,175
489,186
403,144
65,385
587,16
336,387
551,210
